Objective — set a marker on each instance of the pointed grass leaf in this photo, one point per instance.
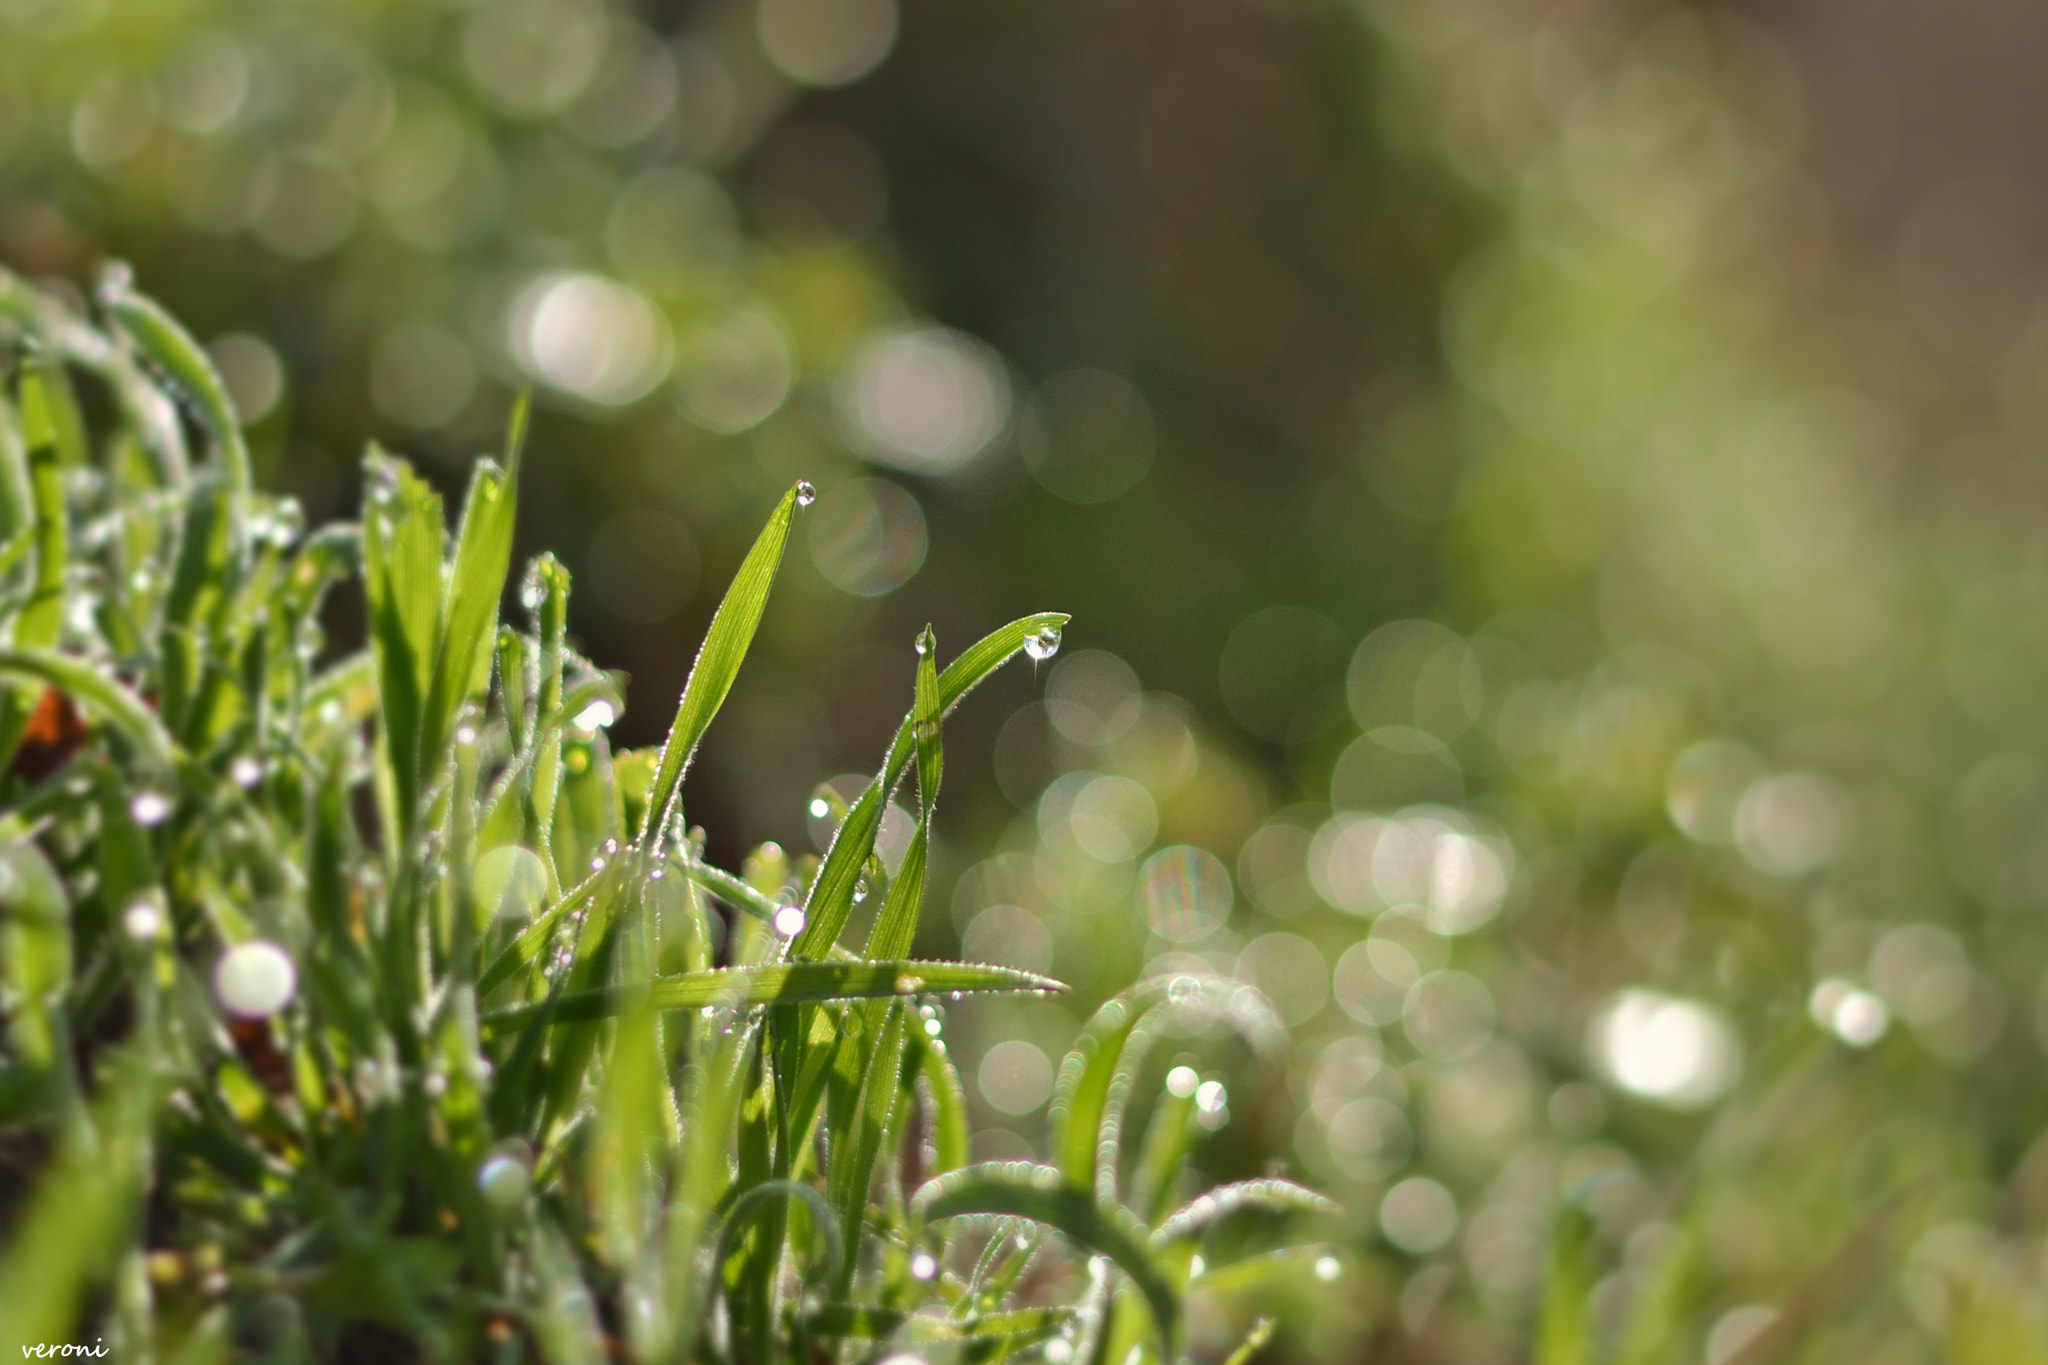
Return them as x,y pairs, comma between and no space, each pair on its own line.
830,902
718,661
1041,1194
469,613
783,983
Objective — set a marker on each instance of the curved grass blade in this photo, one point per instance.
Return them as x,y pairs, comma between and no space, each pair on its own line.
85,684
830,902
781,983
1275,1195
718,662
1094,1080
824,1222
170,349
1040,1193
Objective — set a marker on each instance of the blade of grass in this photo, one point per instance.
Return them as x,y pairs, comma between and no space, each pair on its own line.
469,611
179,359
718,663
1272,1194
783,983
830,901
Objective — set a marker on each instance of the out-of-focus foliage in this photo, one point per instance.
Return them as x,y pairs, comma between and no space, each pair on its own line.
1593,693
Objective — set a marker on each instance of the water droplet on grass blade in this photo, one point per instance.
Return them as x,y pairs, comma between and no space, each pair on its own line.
596,716
805,493
820,808
1043,644
911,985
789,921
255,979
1327,1268
504,1181
149,808
246,771
922,1266
142,921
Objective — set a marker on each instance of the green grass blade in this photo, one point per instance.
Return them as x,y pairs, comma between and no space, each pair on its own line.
469,613
949,1105
1254,1341
179,359
1094,1080
783,983
857,1145
1272,1194
718,662
402,534
42,619
97,692
1040,1193
1563,1332
830,902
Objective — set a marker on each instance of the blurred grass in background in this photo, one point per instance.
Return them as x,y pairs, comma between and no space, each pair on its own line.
1525,618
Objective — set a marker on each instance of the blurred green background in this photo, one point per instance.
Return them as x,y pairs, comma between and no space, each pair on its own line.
1548,492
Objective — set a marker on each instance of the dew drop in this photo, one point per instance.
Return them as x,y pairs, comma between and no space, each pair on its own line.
1043,644
911,985
504,1181
922,1266
245,771
1210,1097
1327,1268
789,921
465,735
254,980
117,281
931,1028
820,808
142,921
805,493
434,1085
596,716
149,809
656,874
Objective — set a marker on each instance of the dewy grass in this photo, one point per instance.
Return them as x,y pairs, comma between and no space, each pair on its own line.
379,1010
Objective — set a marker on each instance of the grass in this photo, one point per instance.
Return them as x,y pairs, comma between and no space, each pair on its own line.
367,1005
